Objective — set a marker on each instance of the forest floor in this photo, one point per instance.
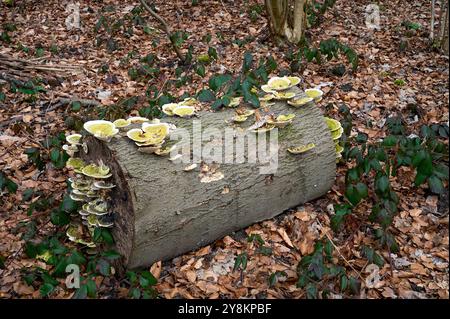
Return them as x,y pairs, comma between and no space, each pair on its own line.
420,268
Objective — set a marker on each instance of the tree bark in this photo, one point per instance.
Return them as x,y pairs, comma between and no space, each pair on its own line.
163,211
443,25
287,20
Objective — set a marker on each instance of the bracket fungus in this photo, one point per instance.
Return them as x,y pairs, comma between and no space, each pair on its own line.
100,171
189,101
300,101
279,84
156,129
266,97
73,139
316,94
70,149
122,124
168,108
75,163
336,130
301,149
263,129
283,95
75,234
240,118
184,111
281,120
89,186
138,119
235,101
101,129
139,136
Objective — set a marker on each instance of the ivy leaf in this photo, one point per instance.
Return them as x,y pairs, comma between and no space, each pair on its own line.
418,158
352,195
111,255
340,212
344,283
440,170
240,262
249,96
389,141
218,104
59,218
419,179
206,96
362,138
135,293
76,258
382,184
46,289
436,185
81,292
147,279
217,81
76,106
311,291
248,62
265,250
68,204
91,288
106,236
426,166
104,267
132,277
362,190
201,70
354,285
11,186
212,52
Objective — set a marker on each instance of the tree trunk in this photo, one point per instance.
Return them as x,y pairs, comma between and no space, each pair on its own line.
287,20
443,25
163,211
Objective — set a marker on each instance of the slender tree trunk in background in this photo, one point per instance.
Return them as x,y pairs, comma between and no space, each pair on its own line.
433,13
443,27
287,18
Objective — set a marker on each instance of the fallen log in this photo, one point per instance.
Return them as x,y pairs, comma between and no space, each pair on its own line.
163,211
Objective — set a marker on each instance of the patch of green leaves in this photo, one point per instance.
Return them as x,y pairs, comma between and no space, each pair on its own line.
7,183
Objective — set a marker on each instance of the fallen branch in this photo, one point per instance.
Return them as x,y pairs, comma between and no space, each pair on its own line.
60,102
15,69
340,254
164,27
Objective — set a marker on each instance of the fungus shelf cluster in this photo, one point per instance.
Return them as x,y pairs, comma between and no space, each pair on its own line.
336,133
90,187
277,88
183,109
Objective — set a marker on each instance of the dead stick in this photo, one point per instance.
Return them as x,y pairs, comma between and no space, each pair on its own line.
340,254
165,28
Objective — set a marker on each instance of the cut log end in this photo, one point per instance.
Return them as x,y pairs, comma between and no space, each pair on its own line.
120,197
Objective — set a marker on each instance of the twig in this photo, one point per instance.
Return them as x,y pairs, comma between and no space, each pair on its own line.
339,252
391,264
165,28
25,219
432,20
224,7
